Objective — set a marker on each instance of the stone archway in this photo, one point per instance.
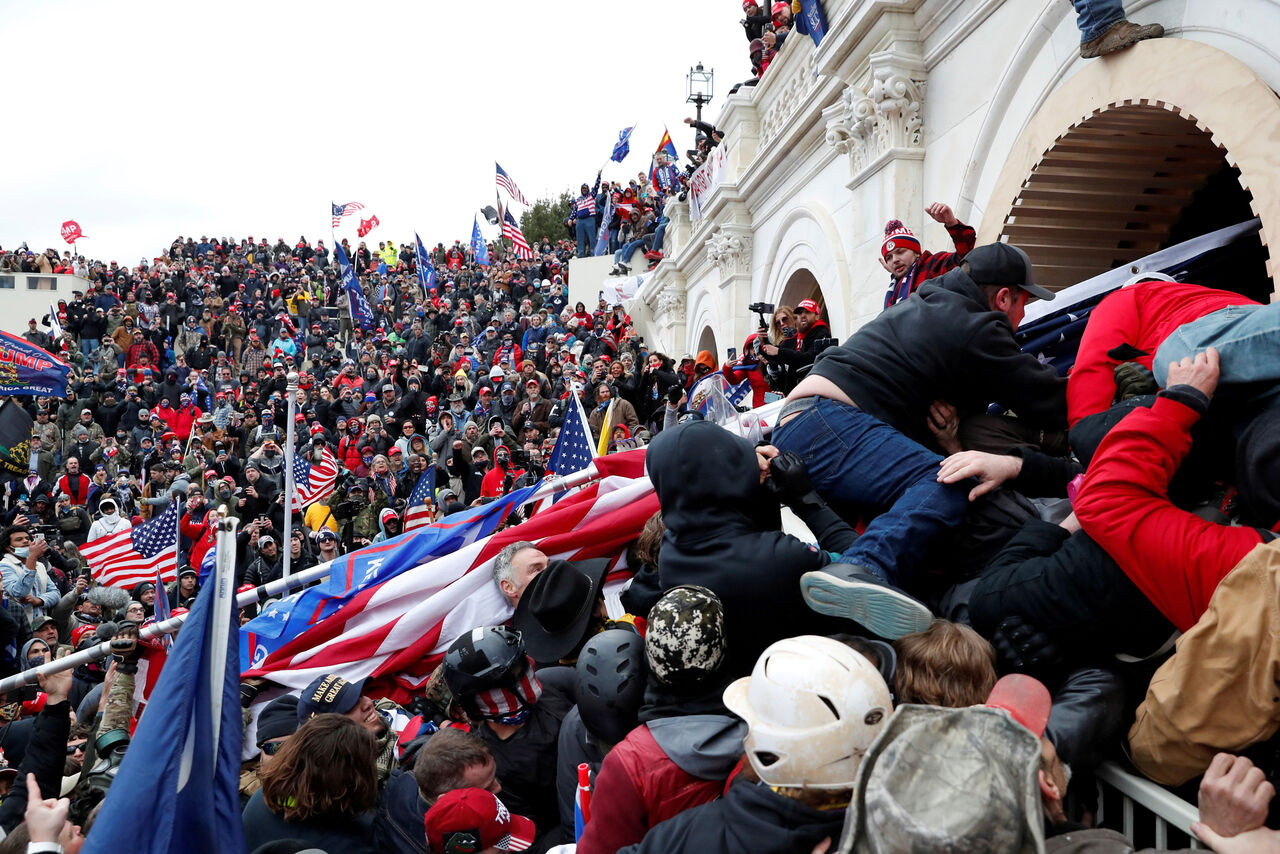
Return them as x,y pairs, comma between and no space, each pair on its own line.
1112,160
707,341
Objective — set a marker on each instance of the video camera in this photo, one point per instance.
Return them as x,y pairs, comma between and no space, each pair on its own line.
354,498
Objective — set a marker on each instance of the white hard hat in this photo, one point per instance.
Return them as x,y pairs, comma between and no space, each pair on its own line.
812,706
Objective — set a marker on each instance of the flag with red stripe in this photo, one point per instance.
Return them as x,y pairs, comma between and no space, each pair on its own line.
136,554
313,479
512,232
396,632
505,182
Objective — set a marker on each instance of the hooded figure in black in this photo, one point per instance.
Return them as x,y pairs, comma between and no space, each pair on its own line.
724,532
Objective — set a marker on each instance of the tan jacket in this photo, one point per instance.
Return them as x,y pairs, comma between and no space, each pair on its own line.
1220,691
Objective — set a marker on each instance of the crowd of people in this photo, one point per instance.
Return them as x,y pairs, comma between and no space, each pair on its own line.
753,674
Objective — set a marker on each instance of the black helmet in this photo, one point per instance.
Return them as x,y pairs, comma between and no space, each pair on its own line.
482,660
611,680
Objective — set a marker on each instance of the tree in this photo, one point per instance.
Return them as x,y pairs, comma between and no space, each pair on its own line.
545,220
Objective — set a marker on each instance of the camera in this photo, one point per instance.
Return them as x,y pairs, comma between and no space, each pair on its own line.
761,309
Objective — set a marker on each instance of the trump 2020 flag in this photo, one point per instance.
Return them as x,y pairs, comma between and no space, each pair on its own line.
812,20
177,791
478,246
360,311
28,370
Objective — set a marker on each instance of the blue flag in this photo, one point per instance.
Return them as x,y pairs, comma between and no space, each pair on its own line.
282,621
574,448
426,270
602,234
812,21
478,247
26,369
360,311
178,787
623,146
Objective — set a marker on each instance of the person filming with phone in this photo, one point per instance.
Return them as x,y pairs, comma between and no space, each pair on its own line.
23,572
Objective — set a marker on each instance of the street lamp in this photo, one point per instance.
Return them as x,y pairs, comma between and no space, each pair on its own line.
701,85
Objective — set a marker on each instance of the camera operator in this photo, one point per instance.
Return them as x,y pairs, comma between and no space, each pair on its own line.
25,574
749,366
812,336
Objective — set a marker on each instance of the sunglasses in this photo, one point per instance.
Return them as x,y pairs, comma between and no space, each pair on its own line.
270,748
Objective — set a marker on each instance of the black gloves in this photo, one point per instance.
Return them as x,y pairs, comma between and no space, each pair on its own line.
1022,648
789,480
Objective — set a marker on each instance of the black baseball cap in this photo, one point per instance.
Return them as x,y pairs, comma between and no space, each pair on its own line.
1004,264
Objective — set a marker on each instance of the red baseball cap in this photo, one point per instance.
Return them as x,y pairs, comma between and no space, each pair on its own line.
479,815
79,633
808,305
1025,698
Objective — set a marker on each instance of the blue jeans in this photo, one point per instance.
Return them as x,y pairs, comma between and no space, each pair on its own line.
623,255
1247,338
1095,17
659,233
89,346
585,229
853,456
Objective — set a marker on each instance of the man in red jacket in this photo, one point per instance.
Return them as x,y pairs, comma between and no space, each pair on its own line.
1141,316
1174,557
908,265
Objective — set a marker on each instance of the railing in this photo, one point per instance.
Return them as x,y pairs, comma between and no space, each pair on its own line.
1144,812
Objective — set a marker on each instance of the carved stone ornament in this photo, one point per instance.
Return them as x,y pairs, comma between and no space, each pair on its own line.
671,303
730,251
887,116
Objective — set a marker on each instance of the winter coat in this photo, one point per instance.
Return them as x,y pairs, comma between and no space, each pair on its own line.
261,826
1217,692
658,771
1142,316
945,342
724,533
750,819
1174,557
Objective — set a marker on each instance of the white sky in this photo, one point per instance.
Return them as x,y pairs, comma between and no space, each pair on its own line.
145,120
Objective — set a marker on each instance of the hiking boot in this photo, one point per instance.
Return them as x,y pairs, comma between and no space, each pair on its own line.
1118,36
856,593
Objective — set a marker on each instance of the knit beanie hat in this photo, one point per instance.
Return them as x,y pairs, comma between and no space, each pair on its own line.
896,236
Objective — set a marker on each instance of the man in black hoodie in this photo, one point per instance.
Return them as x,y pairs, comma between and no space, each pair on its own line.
860,422
724,533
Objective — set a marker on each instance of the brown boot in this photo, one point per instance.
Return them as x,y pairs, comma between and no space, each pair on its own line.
1120,35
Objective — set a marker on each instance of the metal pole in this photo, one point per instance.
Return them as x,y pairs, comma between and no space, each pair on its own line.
259,594
292,391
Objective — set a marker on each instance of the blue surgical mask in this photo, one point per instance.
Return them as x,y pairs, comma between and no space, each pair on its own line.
22,551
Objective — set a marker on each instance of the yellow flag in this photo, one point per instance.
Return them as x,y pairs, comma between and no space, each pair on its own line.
605,429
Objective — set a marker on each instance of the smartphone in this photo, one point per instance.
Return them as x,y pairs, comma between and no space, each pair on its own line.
733,353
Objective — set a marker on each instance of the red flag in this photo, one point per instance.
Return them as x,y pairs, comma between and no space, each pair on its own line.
367,225
71,231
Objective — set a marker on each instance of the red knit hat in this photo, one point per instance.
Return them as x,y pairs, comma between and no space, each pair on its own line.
897,236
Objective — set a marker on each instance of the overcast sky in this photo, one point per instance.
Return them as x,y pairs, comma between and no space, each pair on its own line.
146,120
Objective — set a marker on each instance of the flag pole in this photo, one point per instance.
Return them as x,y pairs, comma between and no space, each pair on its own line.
289,486
270,590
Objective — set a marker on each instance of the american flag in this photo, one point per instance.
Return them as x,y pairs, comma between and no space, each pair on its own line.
505,182
574,449
135,555
313,481
339,211
512,232
396,631
419,512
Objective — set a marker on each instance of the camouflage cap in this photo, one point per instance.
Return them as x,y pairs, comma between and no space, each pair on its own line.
685,640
